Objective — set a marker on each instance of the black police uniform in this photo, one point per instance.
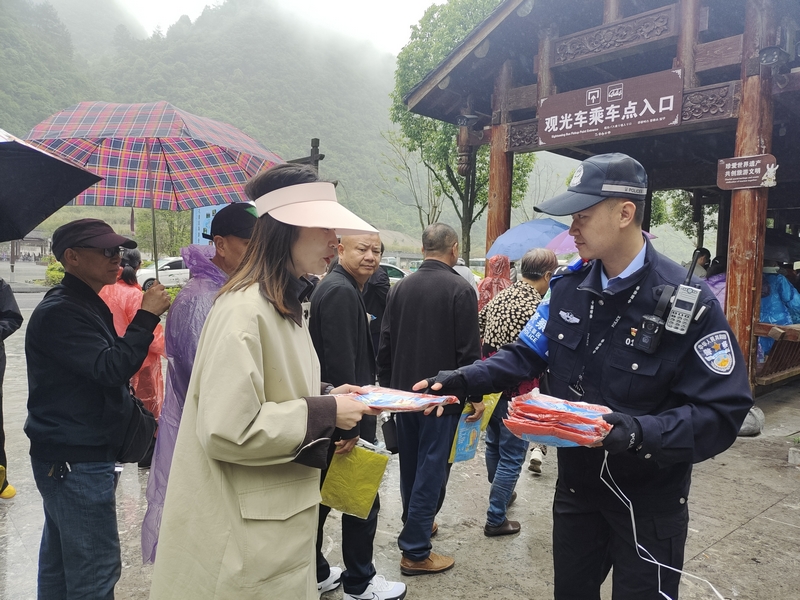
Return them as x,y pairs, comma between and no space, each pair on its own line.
690,398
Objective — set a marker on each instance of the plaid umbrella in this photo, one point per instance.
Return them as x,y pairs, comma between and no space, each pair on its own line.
153,150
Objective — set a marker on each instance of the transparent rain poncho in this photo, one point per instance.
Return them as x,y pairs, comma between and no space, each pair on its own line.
184,323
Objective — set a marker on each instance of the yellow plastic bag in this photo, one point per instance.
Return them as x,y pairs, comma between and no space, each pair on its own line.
352,481
489,402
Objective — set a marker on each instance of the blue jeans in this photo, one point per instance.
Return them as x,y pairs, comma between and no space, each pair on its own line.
79,556
425,444
505,454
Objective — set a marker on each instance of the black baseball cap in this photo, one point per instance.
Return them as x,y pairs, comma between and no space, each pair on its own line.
87,233
596,179
236,219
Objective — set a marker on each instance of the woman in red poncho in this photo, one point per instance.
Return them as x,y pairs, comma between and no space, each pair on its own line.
498,278
125,298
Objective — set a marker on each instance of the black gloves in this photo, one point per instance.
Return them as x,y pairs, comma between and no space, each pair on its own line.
453,383
625,435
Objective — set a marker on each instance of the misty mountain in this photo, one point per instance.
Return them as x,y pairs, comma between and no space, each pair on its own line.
245,62
39,72
91,24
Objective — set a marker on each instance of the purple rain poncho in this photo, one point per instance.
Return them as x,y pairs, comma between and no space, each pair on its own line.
184,324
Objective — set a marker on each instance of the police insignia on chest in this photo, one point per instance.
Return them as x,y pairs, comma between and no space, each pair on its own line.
716,352
568,316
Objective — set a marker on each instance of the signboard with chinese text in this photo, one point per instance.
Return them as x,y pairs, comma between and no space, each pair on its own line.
745,172
201,222
620,108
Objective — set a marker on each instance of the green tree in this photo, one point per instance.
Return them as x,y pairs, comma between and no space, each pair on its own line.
416,189
173,231
659,213
440,30
680,214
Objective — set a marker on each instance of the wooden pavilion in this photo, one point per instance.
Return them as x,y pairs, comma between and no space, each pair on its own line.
678,85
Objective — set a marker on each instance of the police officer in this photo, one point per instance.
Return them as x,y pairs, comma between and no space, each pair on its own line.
675,402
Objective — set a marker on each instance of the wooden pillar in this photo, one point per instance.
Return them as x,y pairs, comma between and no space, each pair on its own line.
723,224
697,216
612,11
544,78
687,39
749,207
501,163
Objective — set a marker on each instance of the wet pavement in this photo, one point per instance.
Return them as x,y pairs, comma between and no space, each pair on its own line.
743,534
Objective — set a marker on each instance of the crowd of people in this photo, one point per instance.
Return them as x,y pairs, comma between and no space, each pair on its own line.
286,315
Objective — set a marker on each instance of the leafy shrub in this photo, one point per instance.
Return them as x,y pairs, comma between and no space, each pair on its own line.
54,272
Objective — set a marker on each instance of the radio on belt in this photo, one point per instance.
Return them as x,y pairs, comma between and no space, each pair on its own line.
686,298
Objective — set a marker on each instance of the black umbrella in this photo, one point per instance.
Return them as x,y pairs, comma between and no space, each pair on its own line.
33,185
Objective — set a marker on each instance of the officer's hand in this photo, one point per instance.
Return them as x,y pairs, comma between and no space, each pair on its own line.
625,434
156,299
445,382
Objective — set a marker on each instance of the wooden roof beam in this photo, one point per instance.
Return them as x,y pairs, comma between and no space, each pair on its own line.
725,52
632,35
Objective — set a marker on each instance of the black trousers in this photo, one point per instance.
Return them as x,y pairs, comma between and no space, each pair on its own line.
358,536
588,541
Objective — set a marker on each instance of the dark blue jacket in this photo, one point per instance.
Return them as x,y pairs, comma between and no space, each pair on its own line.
690,397
78,372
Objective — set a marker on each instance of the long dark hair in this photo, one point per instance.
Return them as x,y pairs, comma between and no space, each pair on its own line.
131,261
268,257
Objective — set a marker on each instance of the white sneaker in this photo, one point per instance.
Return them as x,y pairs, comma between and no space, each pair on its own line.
380,589
536,461
333,581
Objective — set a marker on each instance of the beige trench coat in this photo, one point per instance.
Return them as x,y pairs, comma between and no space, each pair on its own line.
240,518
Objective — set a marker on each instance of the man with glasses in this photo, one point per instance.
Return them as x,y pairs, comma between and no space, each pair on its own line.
79,407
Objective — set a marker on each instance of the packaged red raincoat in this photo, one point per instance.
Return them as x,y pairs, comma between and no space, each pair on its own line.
535,417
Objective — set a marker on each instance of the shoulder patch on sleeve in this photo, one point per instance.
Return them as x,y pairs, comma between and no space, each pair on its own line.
716,352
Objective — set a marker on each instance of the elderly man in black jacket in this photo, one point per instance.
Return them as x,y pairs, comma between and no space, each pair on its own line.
339,328
79,407
431,319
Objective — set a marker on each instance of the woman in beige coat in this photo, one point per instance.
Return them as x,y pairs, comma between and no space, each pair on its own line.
240,514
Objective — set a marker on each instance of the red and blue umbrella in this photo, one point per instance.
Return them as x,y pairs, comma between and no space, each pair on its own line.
153,155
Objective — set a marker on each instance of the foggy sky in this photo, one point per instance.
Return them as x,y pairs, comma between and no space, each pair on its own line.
386,23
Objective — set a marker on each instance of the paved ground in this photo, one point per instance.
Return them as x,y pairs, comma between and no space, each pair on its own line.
743,537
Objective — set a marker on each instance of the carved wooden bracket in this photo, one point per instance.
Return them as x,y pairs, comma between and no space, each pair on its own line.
711,102
464,164
523,136
640,29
